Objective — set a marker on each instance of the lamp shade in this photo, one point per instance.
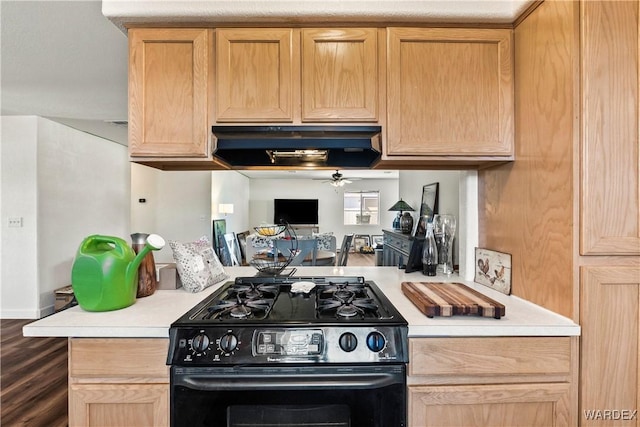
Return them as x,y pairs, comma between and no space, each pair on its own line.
401,205
225,208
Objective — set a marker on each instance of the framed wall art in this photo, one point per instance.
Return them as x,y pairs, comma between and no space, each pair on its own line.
428,208
493,269
242,245
361,241
377,240
219,243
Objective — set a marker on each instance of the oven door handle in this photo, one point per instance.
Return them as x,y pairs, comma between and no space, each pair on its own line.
297,382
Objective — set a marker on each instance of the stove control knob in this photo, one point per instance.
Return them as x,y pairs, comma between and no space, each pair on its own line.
376,342
200,343
228,343
348,342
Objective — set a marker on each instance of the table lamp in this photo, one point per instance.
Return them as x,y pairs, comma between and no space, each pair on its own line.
406,220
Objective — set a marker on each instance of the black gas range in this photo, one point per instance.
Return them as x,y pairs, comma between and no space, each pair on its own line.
287,351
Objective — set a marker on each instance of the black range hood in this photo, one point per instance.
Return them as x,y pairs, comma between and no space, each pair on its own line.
298,146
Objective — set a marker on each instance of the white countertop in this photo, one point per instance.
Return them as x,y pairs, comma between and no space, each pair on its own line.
150,317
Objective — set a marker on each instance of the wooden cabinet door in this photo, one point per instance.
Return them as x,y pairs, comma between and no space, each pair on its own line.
610,196
168,102
506,405
339,74
610,364
255,72
450,92
117,405
118,382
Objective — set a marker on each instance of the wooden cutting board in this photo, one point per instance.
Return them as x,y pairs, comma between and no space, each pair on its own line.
450,299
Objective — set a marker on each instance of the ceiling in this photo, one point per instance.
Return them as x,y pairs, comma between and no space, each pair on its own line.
66,61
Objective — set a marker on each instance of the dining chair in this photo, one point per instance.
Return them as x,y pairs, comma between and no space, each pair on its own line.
344,250
307,248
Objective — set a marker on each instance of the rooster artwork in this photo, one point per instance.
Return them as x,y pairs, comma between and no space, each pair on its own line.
493,269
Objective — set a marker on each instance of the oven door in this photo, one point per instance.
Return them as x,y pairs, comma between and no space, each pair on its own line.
302,396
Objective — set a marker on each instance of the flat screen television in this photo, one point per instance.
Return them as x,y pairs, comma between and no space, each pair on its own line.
295,211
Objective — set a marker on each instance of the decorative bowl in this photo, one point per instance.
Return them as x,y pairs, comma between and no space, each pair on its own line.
270,230
268,266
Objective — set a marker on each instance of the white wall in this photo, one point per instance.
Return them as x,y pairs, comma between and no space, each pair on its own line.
411,183
19,275
330,202
177,207
66,185
231,187
458,195
144,185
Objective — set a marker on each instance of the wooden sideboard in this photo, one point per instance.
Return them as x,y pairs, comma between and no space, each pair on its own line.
398,247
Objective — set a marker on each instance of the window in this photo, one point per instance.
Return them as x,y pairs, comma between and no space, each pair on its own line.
361,207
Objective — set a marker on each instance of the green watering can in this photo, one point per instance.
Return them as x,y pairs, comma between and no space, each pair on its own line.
104,276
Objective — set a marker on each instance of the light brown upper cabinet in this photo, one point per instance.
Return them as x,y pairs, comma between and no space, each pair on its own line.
297,75
450,92
339,74
168,99
254,78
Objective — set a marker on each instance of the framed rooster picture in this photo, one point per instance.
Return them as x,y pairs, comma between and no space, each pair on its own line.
493,269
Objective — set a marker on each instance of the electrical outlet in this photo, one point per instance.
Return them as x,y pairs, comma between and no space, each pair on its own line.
15,221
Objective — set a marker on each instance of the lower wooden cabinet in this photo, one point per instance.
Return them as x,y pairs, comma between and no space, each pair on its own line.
512,405
116,405
118,382
492,381
488,381
610,361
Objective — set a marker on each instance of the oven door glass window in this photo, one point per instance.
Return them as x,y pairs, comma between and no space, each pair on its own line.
289,415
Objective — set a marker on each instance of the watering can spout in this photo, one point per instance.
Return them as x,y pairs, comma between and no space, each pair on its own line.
154,242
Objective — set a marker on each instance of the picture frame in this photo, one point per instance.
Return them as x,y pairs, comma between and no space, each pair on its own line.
421,227
428,207
360,241
414,260
493,269
377,241
242,245
218,242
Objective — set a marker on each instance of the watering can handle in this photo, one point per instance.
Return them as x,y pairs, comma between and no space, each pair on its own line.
96,238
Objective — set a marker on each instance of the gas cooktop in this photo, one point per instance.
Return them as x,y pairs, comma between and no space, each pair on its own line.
264,320
278,300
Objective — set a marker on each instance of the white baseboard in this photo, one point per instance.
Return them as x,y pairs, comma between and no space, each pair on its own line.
26,314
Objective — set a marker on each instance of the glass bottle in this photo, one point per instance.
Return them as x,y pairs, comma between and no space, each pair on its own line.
429,253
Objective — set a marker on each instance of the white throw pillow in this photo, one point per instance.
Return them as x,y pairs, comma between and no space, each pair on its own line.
197,264
324,241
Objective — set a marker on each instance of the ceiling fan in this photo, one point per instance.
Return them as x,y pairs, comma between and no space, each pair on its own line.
338,180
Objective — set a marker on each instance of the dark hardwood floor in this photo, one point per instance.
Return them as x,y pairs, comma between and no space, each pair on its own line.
33,379
357,259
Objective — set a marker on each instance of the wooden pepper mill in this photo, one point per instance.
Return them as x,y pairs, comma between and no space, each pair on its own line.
147,282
